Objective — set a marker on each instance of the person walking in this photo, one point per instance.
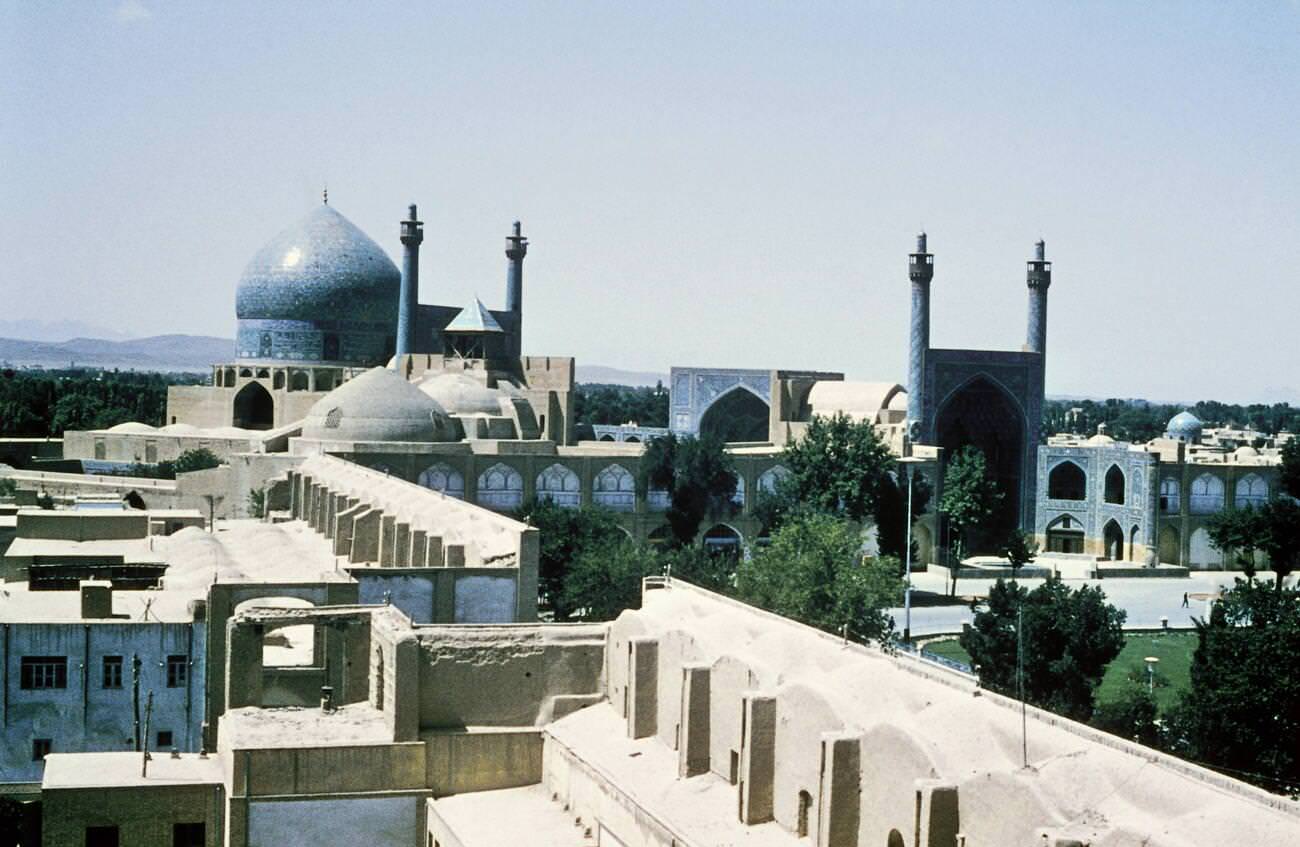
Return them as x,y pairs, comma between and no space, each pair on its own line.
1185,604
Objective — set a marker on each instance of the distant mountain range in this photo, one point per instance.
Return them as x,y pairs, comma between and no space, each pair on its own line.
158,353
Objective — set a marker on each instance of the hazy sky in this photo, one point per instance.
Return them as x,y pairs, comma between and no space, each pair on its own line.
703,184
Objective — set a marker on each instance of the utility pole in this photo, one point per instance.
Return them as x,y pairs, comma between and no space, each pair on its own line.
1020,680
148,711
135,698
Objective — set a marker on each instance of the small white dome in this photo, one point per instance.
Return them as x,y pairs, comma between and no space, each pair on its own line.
459,394
378,405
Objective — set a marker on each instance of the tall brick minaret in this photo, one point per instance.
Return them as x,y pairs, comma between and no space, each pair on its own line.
516,249
409,299
920,269
1039,277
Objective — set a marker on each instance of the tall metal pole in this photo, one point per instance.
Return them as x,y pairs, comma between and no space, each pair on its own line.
148,711
1020,680
907,592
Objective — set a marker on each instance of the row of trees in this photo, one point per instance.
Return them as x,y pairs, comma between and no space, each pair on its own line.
597,403
39,404
1139,420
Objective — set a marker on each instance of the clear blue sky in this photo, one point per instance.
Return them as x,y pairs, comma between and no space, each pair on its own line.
723,184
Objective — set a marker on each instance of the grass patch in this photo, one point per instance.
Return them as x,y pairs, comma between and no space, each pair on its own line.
1173,672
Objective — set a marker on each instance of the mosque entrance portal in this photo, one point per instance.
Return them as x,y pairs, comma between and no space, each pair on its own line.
738,415
254,408
982,415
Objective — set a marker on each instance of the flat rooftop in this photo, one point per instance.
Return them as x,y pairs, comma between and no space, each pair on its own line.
525,815
644,770
254,728
240,551
122,770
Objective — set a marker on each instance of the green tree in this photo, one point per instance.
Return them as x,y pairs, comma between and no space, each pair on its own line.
197,459
814,572
565,534
1068,637
970,498
839,466
257,502
698,476
1281,537
698,565
1132,716
1242,710
1019,550
8,488
1239,532
605,579
1289,477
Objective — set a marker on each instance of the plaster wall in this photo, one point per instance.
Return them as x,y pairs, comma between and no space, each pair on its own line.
506,675
373,821
144,816
85,716
482,759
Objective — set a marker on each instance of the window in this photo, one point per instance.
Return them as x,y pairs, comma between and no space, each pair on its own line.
615,489
500,487
178,668
443,477
1115,485
44,672
164,739
559,485
1067,481
112,671
101,836
1251,491
41,748
189,835
1169,496
1207,495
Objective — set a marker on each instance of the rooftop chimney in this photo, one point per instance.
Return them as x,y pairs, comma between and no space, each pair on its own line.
96,599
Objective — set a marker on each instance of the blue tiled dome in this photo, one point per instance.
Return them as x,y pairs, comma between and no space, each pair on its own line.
322,290
1185,427
322,268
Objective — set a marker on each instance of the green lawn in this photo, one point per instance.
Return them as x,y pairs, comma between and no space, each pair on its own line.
1174,651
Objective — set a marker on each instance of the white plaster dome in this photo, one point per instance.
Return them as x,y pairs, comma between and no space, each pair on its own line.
378,405
1185,427
1245,453
460,394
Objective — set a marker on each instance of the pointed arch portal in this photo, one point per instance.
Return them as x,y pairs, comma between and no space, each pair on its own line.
254,408
982,415
738,415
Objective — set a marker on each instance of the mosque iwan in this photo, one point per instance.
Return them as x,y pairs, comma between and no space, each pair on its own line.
364,664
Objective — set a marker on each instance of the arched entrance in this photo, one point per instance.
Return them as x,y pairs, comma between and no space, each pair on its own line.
1113,541
983,415
1065,535
254,408
1170,550
722,539
738,415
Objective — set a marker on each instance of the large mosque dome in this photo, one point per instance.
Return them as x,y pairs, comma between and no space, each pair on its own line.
378,405
321,291
1184,426
463,395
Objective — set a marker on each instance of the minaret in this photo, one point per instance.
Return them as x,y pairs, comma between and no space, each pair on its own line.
1039,276
516,249
409,300
920,269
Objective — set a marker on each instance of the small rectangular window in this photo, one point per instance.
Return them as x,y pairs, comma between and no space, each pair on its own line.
102,836
164,739
41,748
112,671
189,835
44,672
178,668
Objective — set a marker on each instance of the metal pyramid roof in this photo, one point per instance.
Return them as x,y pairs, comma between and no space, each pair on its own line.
474,318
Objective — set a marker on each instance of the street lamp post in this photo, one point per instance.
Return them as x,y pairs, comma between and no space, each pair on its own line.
1151,673
908,461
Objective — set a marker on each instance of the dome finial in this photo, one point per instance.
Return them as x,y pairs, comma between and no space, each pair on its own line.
325,195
